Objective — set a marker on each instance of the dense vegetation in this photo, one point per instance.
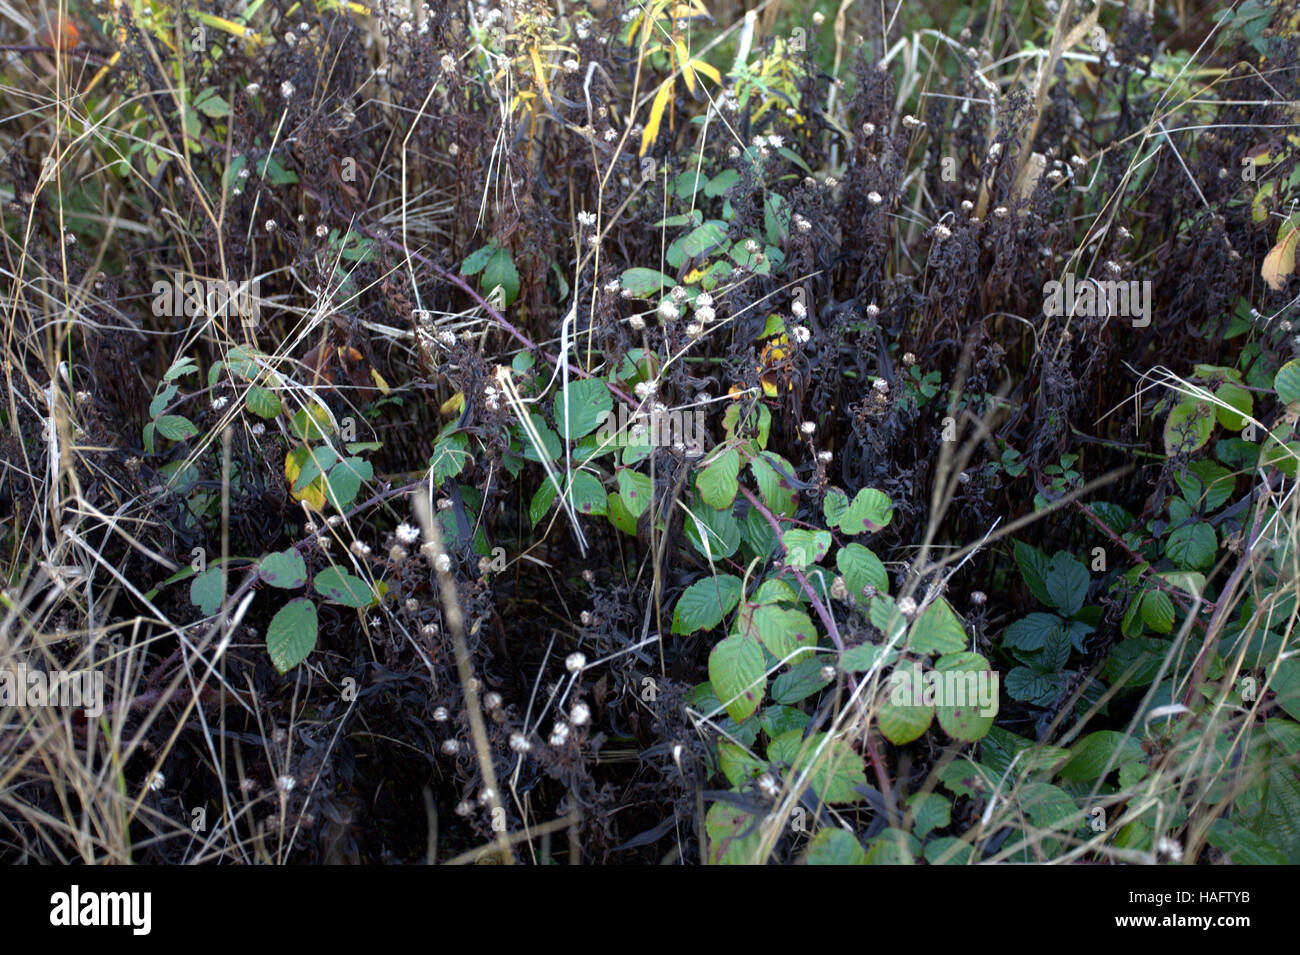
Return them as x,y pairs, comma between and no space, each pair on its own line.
612,432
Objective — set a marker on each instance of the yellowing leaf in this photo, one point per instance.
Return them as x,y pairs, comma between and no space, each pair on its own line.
453,405
689,11
702,67
379,381
540,72
662,99
693,276
313,495
684,60
1280,262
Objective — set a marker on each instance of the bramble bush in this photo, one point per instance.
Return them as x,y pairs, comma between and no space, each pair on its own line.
825,439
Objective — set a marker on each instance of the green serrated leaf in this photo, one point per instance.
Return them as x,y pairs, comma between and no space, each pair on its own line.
285,569
291,634
206,590
175,427
704,603
344,588
718,482
737,674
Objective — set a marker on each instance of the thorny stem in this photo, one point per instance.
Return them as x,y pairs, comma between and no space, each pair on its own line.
820,607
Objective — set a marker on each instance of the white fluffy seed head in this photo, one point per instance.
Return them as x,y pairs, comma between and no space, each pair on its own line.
575,661
580,715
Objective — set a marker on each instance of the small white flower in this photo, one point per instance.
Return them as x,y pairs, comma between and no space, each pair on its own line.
447,63
801,334
872,310
636,323
1168,847
464,808
704,300
492,702
818,18
406,533
808,427
252,89
1000,212
967,205
559,734
868,129
322,230
586,219
219,403
575,662
694,330
824,457
580,715
571,65
831,182
286,90
942,232
610,134
776,142
751,246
